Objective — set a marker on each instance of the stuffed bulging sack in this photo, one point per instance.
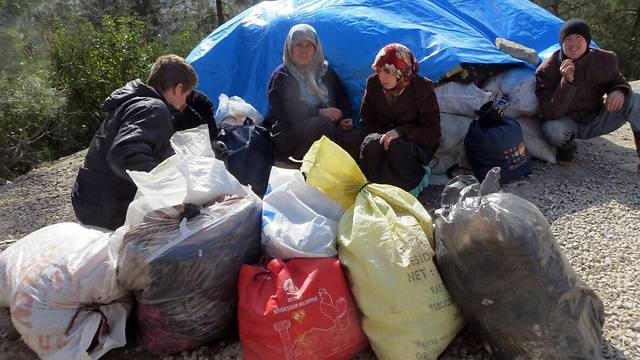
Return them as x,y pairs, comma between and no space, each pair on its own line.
298,220
192,176
60,285
385,244
182,264
519,84
189,229
504,269
493,140
450,153
301,309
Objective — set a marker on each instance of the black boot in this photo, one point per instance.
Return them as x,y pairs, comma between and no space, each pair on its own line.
636,137
567,154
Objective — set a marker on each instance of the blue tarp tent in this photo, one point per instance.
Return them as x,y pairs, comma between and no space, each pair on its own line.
239,56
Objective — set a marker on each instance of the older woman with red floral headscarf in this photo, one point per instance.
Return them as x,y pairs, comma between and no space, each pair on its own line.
307,99
401,116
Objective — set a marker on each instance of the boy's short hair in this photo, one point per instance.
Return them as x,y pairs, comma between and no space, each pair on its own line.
170,70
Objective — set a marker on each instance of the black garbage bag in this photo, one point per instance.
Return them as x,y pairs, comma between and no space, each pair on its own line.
250,154
503,268
182,265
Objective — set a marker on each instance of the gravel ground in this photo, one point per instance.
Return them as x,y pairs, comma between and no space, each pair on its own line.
593,208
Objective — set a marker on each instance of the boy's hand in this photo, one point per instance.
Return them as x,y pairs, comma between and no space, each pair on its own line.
568,69
615,100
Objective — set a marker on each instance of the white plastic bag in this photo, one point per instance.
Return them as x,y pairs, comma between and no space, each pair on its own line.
453,129
234,110
534,141
520,85
462,99
192,175
297,220
62,291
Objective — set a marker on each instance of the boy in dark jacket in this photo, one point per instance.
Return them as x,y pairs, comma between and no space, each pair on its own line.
134,136
570,86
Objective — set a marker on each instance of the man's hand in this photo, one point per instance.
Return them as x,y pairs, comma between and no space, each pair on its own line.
388,137
345,124
332,113
568,69
615,100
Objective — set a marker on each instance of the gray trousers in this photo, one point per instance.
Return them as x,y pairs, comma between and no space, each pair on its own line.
560,131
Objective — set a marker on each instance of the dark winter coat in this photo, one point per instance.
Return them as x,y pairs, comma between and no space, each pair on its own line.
134,136
415,113
286,106
596,74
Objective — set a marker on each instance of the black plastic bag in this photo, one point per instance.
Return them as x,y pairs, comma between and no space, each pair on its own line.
182,264
502,266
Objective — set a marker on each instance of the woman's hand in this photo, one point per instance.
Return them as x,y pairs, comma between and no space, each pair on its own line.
332,113
345,124
388,137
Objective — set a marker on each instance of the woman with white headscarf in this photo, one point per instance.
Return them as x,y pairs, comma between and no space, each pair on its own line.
307,99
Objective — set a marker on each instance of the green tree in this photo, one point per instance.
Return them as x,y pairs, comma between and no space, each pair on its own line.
90,62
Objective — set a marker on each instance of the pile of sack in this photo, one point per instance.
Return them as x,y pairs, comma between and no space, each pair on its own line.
345,264
516,137
71,288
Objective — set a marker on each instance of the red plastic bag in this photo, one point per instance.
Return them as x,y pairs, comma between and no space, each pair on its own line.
301,309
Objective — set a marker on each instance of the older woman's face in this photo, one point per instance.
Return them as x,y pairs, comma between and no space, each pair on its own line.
387,79
302,53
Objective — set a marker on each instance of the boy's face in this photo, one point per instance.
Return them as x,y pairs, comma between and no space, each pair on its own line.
177,96
574,46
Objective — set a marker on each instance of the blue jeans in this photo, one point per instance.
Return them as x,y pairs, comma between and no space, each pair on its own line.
560,131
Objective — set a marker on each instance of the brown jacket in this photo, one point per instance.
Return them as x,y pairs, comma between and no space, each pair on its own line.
596,74
415,113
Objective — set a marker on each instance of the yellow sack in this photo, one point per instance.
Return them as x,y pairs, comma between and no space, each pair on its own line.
385,245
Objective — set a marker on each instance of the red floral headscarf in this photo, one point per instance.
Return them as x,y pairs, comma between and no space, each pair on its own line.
398,60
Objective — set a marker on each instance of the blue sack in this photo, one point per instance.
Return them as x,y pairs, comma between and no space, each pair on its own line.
250,154
494,140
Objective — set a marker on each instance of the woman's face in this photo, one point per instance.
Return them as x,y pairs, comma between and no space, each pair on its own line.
387,79
574,46
302,53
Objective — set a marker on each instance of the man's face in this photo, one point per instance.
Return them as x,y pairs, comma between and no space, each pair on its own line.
302,53
574,46
177,96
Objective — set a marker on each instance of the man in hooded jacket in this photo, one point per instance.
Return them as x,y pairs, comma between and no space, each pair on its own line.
134,136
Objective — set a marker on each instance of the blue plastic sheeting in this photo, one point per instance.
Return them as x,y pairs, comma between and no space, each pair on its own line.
239,56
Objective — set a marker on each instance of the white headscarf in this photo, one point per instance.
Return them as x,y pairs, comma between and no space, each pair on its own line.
312,90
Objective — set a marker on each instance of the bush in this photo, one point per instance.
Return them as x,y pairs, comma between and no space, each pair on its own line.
29,105
92,61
